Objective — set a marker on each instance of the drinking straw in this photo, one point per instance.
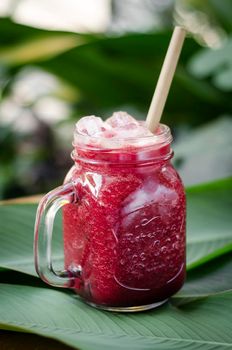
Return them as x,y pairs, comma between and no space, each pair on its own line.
165,78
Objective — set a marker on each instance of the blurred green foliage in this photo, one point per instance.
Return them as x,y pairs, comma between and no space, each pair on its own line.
216,65
98,74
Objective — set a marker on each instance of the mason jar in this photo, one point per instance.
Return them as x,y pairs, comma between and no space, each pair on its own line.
123,207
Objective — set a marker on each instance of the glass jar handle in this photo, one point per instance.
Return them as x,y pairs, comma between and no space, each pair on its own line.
46,212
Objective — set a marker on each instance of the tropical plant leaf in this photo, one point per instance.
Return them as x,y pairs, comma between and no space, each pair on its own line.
209,221
39,49
209,279
200,325
209,231
16,249
17,34
126,61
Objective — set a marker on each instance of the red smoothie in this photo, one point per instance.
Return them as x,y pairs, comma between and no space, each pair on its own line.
127,229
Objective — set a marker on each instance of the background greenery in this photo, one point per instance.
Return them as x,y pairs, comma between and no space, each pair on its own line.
48,79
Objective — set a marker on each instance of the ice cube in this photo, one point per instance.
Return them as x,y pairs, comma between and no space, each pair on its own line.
132,131
116,132
121,119
143,131
92,126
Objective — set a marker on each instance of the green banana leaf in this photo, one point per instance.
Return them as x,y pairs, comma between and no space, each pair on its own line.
209,221
204,324
210,279
16,249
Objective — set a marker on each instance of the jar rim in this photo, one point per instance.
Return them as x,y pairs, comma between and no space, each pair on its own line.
114,143
120,152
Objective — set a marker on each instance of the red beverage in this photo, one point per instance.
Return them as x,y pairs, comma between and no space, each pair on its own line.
127,230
